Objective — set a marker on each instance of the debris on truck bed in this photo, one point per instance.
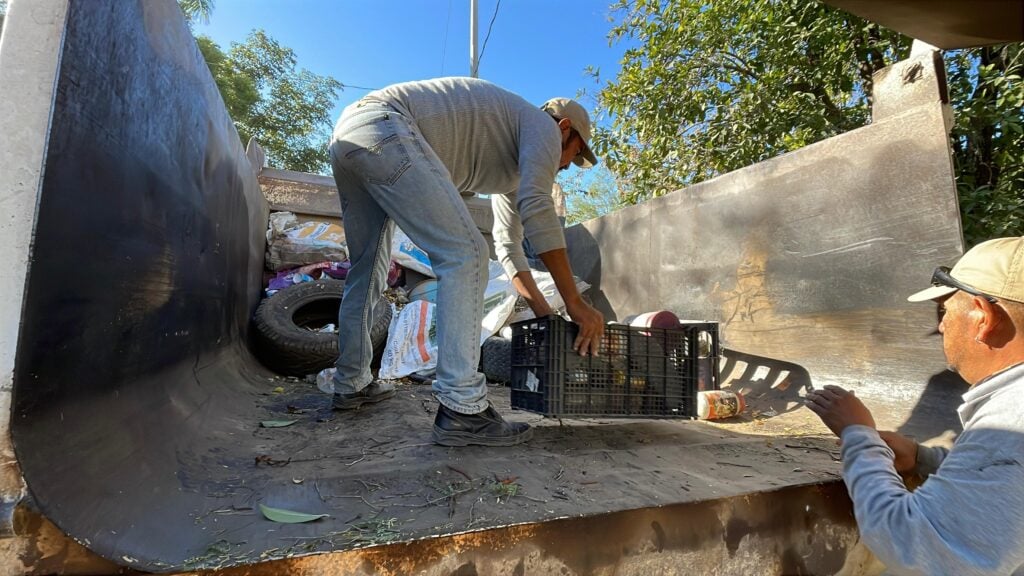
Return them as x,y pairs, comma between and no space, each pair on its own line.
378,477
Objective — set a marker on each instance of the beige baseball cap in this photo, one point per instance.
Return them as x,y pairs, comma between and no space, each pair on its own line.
577,115
994,268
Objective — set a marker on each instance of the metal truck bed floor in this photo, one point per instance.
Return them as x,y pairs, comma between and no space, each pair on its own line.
379,477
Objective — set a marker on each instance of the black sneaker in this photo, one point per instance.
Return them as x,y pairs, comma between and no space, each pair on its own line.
487,428
374,392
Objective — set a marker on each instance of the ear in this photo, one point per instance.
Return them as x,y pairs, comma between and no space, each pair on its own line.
564,124
986,317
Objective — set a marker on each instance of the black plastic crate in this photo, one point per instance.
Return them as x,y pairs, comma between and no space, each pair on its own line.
640,372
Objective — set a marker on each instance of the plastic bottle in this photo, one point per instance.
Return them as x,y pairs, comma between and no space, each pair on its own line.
656,319
716,404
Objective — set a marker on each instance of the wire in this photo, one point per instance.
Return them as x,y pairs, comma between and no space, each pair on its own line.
343,85
486,38
444,47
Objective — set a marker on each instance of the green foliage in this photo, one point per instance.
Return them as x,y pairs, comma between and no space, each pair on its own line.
236,88
591,193
988,139
286,108
707,87
710,87
196,9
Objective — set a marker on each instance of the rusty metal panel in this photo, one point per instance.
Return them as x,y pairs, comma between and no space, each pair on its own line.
807,259
300,192
805,530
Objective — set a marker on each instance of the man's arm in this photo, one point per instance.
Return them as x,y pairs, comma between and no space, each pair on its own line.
911,456
527,287
929,458
968,518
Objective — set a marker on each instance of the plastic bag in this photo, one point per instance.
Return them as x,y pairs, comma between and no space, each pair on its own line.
409,255
504,313
291,243
412,342
285,278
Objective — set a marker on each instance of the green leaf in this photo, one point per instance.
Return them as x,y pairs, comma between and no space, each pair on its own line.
277,423
288,516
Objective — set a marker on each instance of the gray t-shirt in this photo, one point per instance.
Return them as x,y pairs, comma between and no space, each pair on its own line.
492,142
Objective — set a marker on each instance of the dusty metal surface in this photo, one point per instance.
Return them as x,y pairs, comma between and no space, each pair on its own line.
146,250
136,405
945,23
807,259
806,530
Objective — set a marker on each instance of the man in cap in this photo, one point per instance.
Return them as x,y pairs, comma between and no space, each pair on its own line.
404,155
968,516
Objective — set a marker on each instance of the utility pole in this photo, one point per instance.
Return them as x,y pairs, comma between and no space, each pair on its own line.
474,57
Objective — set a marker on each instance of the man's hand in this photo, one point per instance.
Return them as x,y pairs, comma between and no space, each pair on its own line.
591,326
905,450
838,409
590,320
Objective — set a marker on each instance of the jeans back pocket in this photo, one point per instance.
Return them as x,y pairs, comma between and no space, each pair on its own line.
376,150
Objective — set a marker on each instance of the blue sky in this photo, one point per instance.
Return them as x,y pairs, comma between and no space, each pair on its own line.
537,48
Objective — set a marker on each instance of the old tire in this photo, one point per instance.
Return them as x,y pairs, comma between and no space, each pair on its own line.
286,339
496,359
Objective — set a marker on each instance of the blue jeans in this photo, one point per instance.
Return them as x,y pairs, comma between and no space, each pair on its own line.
387,173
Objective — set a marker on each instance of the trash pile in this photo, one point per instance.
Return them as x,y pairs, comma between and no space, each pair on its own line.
292,244
307,264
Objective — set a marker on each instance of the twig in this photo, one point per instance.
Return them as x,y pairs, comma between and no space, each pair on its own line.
733,464
436,500
411,446
316,484
826,451
357,497
367,485
533,499
464,475
321,537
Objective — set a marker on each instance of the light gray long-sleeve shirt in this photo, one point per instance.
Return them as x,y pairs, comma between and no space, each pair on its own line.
492,142
968,516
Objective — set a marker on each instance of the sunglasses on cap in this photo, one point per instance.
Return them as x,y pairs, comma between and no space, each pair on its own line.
941,277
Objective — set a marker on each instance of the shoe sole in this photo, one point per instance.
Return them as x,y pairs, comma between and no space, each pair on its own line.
459,439
355,403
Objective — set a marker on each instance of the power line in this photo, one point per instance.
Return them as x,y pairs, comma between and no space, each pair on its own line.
343,85
444,47
486,38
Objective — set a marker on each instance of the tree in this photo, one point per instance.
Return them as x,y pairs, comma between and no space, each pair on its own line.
286,108
988,139
238,90
3,13
196,9
591,193
713,86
